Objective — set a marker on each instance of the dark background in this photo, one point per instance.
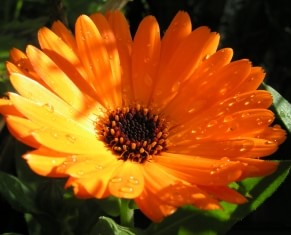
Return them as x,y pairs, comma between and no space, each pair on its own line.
258,30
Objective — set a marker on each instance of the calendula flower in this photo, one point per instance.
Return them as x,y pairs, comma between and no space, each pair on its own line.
165,121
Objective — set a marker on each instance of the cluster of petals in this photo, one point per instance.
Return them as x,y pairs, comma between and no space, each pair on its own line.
219,123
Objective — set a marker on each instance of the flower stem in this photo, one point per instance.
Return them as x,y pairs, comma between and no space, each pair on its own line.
126,213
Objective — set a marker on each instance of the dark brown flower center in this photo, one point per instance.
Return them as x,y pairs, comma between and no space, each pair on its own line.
134,133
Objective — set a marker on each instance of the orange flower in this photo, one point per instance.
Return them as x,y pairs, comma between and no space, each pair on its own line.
166,122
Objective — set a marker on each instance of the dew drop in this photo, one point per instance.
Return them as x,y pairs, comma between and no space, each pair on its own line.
176,86
259,121
206,57
226,159
73,158
228,118
71,138
105,36
245,115
54,161
116,180
126,189
146,60
148,80
246,103
212,123
48,107
98,167
193,131
133,180
80,172
242,149
231,104
55,134
269,142
282,114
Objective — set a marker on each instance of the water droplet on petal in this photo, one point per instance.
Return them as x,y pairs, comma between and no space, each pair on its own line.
133,180
99,167
125,189
54,161
231,104
228,118
245,115
212,123
225,159
259,121
71,138
146,60
246,103
176,86
55,134
268,142
116,180
80,172
148,80
206,57
213,172
242,149
48,107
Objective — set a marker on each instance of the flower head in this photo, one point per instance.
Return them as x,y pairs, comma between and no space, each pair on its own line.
165,121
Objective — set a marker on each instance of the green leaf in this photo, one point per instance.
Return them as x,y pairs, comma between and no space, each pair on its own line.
11,234
107,226
282,107
189,220
16,193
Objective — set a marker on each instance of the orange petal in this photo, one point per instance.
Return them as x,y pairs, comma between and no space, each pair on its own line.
181,66
225,193
65,58
66,35
7,108
145,58
178,30
21,129
95,58
21,64
275,134
120,27
57,131
258,99
37,93
95,183
46,162
197,170
109,41
252,81
180,194
57,80
247,123
219,85
152,207
219,148
256,167
127,180
192,105
84,165
20,59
